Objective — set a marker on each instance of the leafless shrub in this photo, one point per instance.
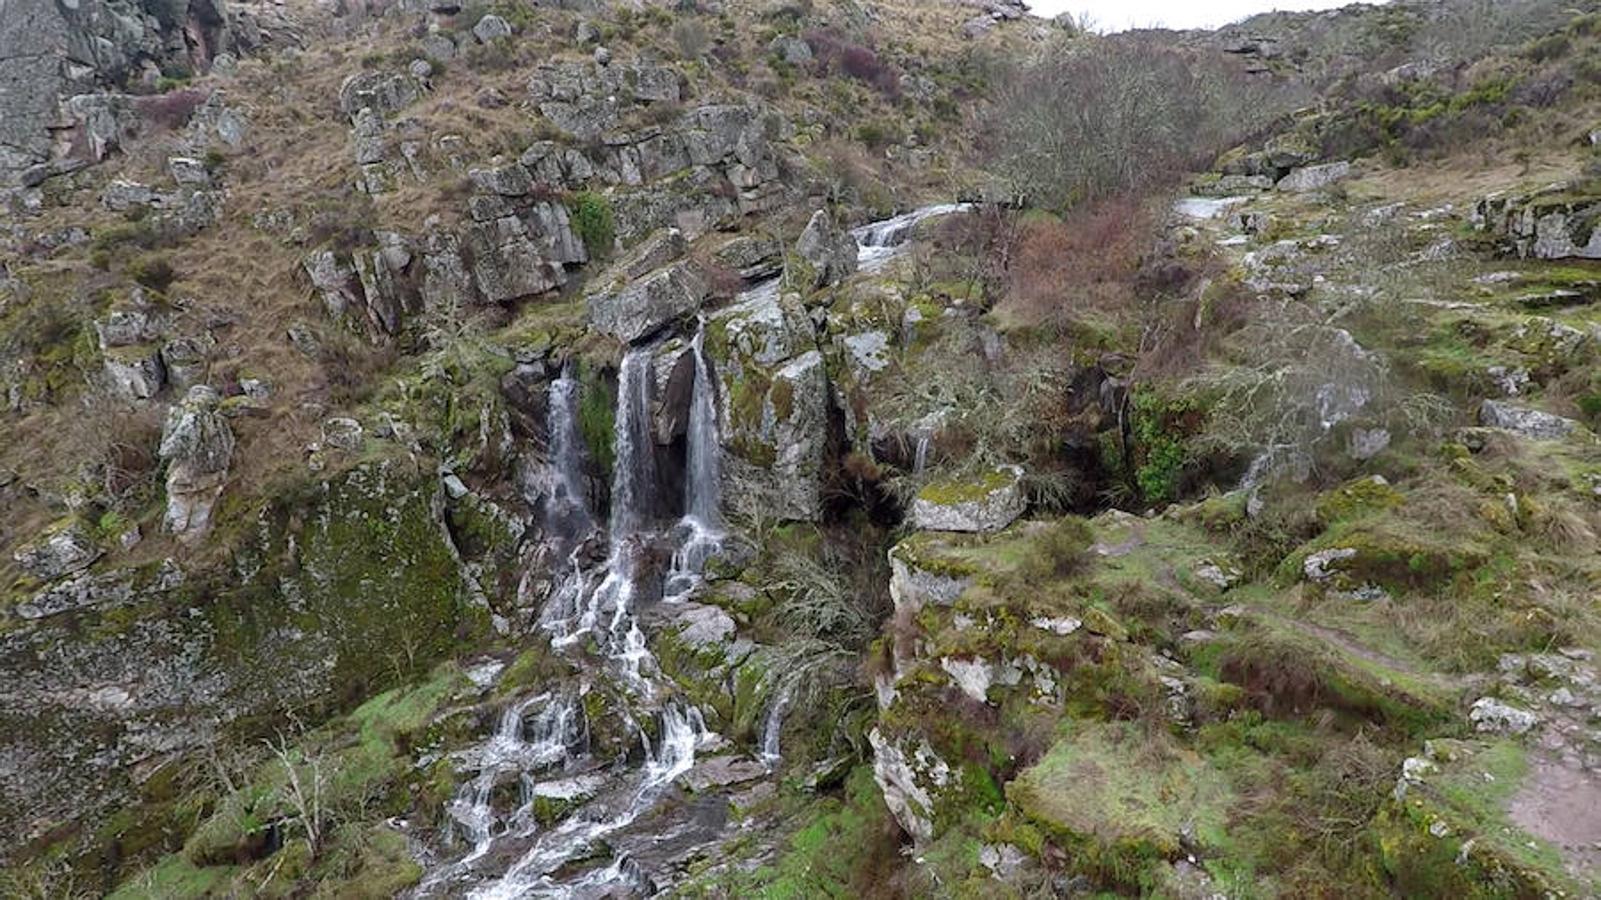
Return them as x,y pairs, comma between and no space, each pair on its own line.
302,790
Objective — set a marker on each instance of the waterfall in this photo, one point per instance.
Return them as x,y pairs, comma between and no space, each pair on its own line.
773,725
590,611
701,528
682,733
634,468
566,506
703,488
920,460
517,749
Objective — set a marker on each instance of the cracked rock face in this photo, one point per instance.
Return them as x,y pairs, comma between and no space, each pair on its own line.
50,52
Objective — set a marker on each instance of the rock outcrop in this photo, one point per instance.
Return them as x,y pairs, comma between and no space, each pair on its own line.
828,252
57,59
197,445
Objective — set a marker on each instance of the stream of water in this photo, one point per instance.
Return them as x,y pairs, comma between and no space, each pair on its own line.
540,751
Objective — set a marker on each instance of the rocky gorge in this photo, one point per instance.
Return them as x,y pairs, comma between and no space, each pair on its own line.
730,449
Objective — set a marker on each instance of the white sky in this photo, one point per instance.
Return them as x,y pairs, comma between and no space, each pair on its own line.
1116,15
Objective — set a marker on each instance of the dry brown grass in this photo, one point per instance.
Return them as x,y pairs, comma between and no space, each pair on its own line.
1086,262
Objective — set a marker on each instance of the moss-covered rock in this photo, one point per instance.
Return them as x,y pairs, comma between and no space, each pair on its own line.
334,592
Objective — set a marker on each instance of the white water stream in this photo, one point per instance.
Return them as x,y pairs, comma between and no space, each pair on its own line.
541,742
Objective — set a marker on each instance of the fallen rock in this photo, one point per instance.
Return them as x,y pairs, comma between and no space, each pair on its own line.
829,250
984,505
1314,178
197,444
491,27
1529,423
643,306
1494,717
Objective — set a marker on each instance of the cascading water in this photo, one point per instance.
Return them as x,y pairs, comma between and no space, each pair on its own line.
566,505
880,242
701,526
544,753
773,724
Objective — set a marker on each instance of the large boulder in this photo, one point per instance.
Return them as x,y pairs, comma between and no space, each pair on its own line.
984,504
1530,423
641,307
829,252
1558,222
197,445
776,422
1315,178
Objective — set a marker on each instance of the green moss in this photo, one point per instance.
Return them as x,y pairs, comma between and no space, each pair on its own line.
597,417
951,493
1358,498
828,855
1121,800
175,879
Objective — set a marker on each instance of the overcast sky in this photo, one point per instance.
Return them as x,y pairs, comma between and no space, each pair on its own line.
1115,15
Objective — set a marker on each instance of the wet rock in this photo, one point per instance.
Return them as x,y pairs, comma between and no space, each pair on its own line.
907,780
197,445
700,626
66,549
983,505
721,772
1529,423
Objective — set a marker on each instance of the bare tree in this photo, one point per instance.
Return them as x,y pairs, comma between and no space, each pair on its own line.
1097,116
302,789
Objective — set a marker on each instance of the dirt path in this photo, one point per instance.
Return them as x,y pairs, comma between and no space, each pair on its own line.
1562,804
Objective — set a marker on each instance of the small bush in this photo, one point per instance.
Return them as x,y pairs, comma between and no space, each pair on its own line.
592,221
832,52
152,271
1060,551
172,110
692,38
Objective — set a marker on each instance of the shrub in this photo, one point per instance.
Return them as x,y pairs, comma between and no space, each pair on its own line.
1115,115
172,110
1060,551
593,222
1085,261
152,271
832,51
692,38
